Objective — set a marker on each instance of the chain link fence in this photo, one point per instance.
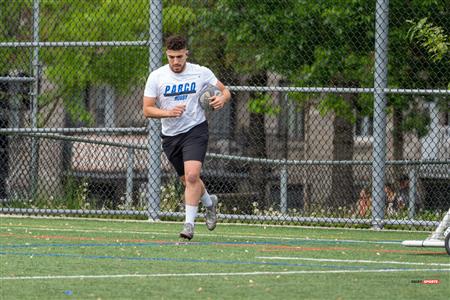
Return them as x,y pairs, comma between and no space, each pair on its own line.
339,111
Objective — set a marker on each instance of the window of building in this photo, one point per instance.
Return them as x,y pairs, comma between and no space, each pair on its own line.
105,107
293,119
364,126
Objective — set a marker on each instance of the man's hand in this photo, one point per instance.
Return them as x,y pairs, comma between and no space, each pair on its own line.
176,111
217,102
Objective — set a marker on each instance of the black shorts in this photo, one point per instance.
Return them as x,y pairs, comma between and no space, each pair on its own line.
190,145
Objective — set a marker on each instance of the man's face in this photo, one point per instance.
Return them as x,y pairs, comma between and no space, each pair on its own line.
177,59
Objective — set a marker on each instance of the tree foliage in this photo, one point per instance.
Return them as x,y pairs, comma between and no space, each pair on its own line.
331,43
431,37
72,70
309,43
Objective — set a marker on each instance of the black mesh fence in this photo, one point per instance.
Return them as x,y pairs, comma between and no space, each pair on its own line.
339,110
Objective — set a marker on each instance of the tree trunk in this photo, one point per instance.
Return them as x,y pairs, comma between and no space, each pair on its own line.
257,149
342,184
398,140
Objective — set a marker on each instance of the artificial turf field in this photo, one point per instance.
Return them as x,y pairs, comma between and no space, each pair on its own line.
56,258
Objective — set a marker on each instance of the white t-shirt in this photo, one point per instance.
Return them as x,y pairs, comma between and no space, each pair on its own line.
171,89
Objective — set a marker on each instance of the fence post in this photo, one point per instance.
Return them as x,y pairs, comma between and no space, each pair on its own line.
154,140
34,100
283,189
129,179
379,120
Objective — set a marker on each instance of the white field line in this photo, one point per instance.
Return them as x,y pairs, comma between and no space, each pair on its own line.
149,221
352,261
58,277
166,232
181,223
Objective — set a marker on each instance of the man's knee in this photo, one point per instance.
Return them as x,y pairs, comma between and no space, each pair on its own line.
192,178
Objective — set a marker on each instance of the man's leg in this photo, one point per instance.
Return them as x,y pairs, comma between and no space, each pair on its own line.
194,186
209,203
205,198
192,193
194,145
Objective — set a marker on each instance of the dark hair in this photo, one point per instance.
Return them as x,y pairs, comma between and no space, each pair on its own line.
176,42
404,178
390,186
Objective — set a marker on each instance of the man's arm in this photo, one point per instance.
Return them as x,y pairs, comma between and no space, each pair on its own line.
151,111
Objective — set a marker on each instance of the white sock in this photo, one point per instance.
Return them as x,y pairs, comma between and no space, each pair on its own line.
191,213
206,199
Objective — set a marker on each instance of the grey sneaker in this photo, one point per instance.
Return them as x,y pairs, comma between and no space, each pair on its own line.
188,231
210,214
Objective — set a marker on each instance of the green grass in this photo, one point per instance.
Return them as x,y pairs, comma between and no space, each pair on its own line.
105,259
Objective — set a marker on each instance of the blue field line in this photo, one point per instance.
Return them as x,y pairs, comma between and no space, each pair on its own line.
191,260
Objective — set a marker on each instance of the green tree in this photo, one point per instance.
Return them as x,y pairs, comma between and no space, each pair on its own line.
308,43
76,69
73,70
432,38
69,73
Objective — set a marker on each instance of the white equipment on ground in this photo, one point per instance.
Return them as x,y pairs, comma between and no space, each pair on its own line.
439,238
